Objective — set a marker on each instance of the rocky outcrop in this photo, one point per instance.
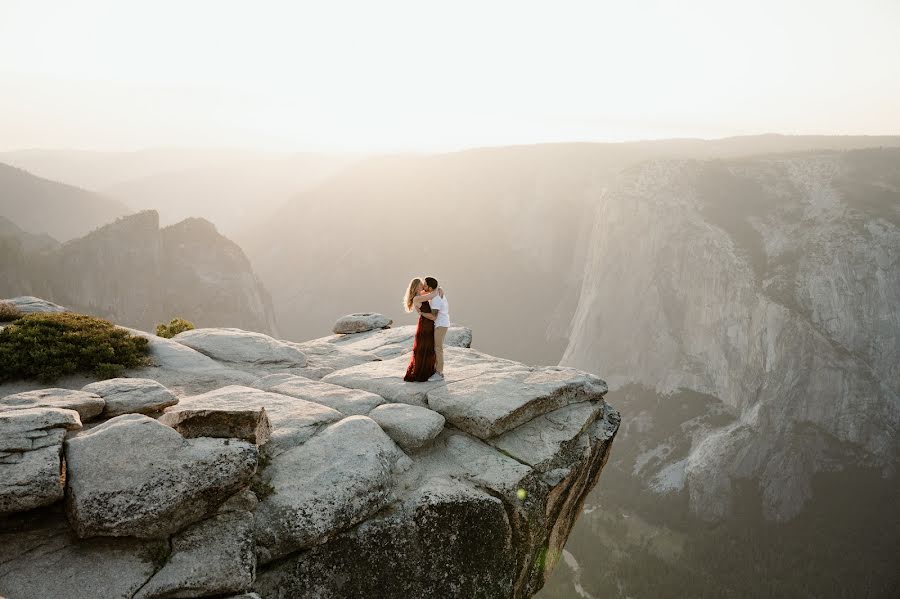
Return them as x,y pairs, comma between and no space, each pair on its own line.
358,485
134,273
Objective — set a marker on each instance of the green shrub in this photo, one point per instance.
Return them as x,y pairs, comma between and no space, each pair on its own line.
52,345
8,312
177,325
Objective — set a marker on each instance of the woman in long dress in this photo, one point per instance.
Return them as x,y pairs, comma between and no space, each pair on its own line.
421,366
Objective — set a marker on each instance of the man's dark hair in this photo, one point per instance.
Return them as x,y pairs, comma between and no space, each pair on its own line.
431,282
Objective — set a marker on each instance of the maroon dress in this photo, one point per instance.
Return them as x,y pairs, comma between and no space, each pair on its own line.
421,367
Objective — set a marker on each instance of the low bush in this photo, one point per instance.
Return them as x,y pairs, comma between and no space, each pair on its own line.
9,312
52,345
177,325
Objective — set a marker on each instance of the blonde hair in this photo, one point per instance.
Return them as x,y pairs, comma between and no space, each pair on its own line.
411,293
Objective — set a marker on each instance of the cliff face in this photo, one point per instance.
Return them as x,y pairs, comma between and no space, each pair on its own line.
133,272
771,284
240,463
201,268
15,246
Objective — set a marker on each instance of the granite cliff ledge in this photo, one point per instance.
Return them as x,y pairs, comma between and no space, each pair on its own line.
238,464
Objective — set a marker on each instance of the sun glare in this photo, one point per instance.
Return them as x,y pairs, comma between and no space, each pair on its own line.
424,75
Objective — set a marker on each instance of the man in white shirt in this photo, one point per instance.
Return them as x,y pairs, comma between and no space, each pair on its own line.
441,307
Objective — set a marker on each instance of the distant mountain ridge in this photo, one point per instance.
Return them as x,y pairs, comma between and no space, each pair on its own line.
62,211
231,188
135,273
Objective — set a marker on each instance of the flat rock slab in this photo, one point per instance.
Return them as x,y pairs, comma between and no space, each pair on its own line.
361,322
213,557
88,405
390,343
31,465
542,442
131,396
21,430
485,466
336,479
242,347
410,427
51,562
324,357
495,402
248,423
134,476
293,420
385,378
352,402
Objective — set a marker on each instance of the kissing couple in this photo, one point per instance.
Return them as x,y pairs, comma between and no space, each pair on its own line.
428,300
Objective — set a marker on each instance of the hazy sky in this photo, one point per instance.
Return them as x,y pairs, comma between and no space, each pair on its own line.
383,74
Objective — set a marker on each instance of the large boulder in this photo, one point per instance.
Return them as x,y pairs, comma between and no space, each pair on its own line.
88,405
338,478
361,322
352,402
31,465
248,423
134,476
293,421
242,347
185,370
212,557
131,396
410,427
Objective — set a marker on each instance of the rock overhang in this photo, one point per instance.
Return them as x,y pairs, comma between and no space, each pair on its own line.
528,440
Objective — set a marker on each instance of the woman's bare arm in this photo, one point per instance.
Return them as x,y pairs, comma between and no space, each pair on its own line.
428,296
425,298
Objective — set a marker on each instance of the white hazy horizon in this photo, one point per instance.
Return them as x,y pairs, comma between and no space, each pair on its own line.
425,76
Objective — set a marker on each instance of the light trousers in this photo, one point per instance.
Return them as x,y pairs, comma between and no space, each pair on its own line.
439,334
